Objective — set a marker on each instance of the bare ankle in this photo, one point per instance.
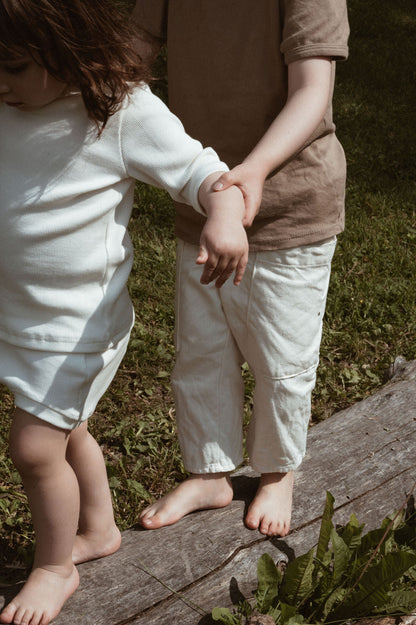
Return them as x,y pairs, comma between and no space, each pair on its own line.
90,545
225,476
62,570
275,477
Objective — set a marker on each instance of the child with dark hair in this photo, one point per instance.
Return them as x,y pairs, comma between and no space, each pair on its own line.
78,127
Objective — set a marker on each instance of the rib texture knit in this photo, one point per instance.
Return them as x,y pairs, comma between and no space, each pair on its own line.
65,202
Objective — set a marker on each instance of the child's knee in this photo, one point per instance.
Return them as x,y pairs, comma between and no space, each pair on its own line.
80,441
25,457
33,443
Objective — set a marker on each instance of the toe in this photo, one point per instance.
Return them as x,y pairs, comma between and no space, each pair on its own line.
9,613
285,529
44,620
253,519
39,618
145,516
252,523
21,617
145,521
266,528
152,521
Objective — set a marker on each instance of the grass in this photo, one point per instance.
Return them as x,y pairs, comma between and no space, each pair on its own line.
371,311
371,307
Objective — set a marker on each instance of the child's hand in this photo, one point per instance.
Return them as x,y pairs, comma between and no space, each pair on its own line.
223,249
250,182
223,244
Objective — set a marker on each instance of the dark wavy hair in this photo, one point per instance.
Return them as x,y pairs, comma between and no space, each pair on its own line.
87,44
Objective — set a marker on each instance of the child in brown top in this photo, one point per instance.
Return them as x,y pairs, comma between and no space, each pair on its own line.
254,79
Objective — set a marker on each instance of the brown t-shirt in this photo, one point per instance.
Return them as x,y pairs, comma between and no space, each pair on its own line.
227,76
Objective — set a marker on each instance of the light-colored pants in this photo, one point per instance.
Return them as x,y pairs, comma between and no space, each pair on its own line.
273,321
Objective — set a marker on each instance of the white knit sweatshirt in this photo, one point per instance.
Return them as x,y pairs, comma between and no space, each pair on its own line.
65,202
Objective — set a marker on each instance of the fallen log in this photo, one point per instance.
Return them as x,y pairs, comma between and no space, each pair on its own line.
364,455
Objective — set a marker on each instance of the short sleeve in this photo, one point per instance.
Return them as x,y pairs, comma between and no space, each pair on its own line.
151,16
314,28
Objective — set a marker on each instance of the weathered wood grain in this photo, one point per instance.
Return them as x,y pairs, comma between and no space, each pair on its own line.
364,455
238,576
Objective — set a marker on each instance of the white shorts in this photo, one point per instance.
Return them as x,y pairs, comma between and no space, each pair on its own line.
60,388
273,321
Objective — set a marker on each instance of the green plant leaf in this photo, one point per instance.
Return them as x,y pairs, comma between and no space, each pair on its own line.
335,597
297,580
269,578
326,527
351,533
396,519
298,619
411,574
275,613
375,584
224,615
114,482
139,489
341,557
405,536
370,541
403,601
287,611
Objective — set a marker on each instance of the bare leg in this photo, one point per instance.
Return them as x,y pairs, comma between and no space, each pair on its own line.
38,451
198,492
98,535
271,508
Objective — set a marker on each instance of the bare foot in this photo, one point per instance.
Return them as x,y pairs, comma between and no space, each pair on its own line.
91,546
198,492
271,508
41,598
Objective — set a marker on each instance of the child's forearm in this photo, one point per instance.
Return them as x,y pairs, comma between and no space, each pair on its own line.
229,205
309,92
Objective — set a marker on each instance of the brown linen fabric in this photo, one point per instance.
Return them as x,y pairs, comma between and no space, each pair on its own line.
227,74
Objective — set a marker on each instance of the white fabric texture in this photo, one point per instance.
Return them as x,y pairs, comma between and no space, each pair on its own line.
273,321
61,389
65,203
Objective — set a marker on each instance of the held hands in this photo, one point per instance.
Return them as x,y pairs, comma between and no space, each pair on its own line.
223,249
250,181
223,244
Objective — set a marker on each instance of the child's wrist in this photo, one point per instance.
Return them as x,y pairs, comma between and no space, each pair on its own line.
227,204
